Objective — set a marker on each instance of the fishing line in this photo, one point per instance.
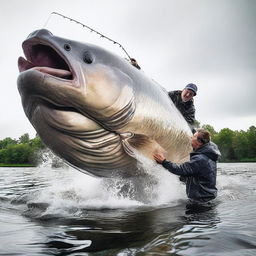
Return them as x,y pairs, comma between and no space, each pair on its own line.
91,29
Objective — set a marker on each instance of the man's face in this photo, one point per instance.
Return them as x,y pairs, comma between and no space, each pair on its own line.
187,95
194,142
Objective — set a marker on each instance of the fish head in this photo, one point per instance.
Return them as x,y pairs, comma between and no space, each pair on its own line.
74,74
76,95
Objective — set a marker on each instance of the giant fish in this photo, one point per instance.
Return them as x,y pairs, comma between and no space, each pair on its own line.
94,109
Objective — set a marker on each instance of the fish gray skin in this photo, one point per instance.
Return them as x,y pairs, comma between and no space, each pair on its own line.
94,109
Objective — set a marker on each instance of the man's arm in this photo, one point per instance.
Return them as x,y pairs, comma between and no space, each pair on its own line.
189,114
174,96
171,94
186,169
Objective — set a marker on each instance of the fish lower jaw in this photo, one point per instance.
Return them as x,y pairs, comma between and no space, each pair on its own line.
60,73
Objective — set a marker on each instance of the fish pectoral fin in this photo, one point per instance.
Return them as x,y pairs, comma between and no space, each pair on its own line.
142,144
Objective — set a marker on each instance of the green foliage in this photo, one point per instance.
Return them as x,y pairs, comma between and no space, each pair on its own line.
196,124
24,138
235,145
224,139
23,151
19,154
7,142
240,145
36,143
251,135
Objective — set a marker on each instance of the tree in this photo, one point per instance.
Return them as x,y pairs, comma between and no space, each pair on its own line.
196,124
24,152
18,154
224,139
23,139
37,143
240,144
3,156
251,136
6,142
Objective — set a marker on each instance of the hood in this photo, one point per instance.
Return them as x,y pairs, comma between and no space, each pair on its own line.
209,149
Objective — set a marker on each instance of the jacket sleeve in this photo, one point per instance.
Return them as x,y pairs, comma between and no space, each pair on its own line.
189,114
172,95
187,169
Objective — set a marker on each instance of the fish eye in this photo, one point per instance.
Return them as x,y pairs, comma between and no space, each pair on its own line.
88,58
67,47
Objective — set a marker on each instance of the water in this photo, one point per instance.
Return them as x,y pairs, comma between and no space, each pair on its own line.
46,211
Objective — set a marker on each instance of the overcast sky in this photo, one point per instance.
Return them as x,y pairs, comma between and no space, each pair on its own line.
211,43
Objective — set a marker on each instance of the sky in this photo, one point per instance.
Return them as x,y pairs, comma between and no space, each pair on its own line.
211,43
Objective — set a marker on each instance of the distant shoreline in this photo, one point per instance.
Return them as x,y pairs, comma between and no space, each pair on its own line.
17,165
30,165
226,162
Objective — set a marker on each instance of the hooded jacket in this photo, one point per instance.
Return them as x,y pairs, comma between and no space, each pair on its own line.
199,173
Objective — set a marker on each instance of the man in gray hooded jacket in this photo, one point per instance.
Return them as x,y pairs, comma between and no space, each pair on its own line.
200,172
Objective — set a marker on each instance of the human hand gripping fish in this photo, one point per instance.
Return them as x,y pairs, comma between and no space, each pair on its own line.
159,157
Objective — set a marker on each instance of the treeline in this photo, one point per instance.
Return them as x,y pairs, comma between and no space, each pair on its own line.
21,152
235,146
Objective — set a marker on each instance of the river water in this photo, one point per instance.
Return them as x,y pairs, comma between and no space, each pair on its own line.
47,211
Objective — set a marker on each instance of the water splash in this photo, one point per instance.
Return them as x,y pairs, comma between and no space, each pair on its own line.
47,158
69,192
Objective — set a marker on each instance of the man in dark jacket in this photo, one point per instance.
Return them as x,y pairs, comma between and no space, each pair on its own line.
183,100
200,172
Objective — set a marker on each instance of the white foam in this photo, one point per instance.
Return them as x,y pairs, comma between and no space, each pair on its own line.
47,158
68,190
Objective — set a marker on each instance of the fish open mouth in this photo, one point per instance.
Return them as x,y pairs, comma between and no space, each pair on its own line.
45,59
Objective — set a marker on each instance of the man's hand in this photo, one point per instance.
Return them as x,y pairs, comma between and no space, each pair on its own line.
159,157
